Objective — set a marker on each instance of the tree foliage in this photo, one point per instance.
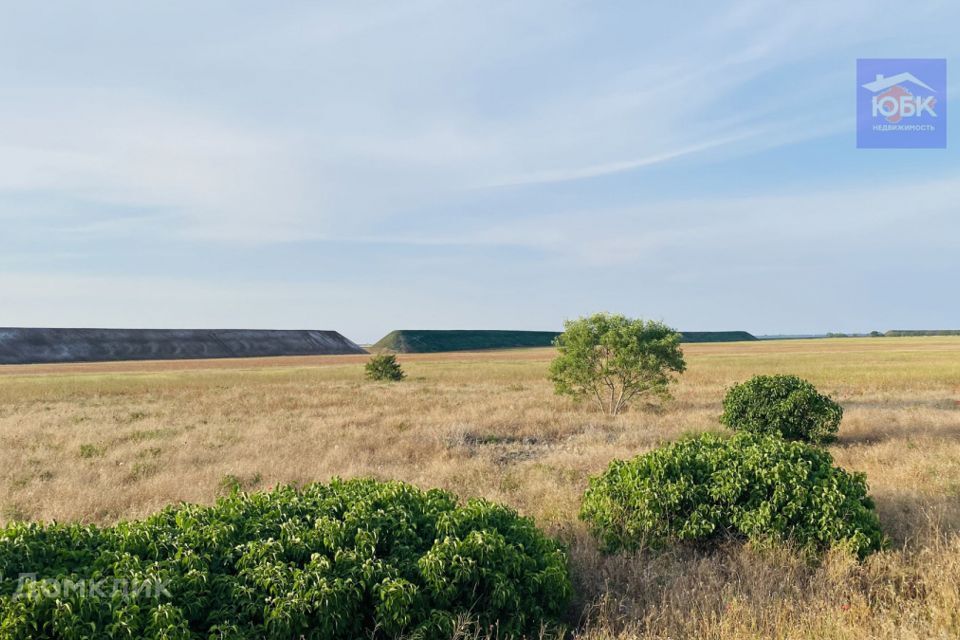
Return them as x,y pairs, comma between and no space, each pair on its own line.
783,405
612,359
352,559
705,488
384,367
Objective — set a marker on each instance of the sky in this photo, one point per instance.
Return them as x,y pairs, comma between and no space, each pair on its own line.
368,166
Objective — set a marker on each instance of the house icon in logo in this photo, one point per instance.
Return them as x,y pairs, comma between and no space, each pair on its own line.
882,83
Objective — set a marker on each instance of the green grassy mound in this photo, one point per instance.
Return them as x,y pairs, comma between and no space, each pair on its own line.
435,340
352,559
716,336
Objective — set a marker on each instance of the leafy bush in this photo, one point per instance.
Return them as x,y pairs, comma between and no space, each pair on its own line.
384,367
782,405
763,488
352,559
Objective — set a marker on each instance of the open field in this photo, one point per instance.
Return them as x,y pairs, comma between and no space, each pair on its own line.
101,442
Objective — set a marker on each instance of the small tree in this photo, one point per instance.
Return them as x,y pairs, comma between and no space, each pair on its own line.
613,359
384,367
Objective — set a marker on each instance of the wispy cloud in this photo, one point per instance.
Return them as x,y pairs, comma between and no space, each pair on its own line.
608,168
787,223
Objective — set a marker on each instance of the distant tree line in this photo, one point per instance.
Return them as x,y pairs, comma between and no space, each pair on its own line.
897,333
902,333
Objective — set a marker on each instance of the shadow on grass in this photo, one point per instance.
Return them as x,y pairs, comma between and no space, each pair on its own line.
912,520
934,404
880,433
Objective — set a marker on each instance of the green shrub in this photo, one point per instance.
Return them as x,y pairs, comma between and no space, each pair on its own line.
783,405
384,367
762,488
91,451
352,559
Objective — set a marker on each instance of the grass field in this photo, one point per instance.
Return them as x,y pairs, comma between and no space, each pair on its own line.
98,443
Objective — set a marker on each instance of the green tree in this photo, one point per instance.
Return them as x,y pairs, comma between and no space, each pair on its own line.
613,359
384,367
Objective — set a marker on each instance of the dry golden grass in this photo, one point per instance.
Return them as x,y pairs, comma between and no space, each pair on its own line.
98,443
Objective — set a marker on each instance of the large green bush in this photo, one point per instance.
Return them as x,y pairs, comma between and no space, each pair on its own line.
352,559
783,405
762,488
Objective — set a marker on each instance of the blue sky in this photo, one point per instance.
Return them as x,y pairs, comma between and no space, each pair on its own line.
366,166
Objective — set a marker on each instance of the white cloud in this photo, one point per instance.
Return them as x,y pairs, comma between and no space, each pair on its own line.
781,224
117,148
579,173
